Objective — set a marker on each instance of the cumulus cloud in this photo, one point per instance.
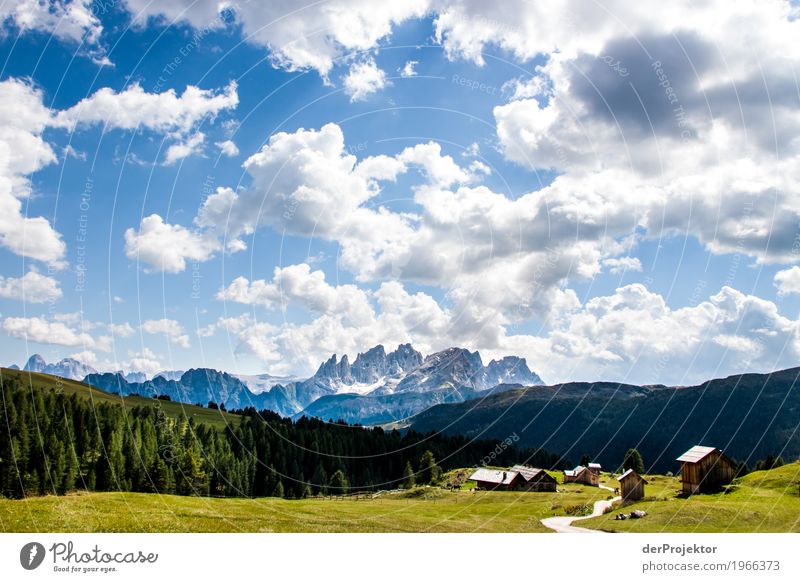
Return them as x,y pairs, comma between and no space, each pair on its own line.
162,112
408,70
632,336
143,361
618,265
43,331
227,148
121,329
168,327
23,119
183,149
31,287
299,35
297,283
166,247
72,20
788,281
363,79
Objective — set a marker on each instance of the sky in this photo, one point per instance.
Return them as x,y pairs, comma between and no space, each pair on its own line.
255,186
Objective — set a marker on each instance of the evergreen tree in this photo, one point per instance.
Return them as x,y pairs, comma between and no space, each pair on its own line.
338,483
585,460
429,471
278,491
409,479
633,460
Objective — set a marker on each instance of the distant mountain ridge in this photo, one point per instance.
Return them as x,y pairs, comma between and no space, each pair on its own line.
376,387
749,416
69,368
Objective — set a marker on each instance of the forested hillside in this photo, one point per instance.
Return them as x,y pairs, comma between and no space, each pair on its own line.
55,442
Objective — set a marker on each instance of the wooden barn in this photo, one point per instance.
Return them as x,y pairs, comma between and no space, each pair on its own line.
705,469
536,479
631,485
581,474
595,468
497,480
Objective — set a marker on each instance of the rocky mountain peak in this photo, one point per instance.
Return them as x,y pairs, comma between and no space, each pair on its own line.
35,363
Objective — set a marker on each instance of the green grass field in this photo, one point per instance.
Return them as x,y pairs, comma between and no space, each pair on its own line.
174,409
420,510
763,501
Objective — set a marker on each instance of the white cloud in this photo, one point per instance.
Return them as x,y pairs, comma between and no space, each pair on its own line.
144,361
121,329
408,70
72,20
31,287
227,148
40,330
297,283
632,336
183,149
23,119
167,247
162,112
788,281
299,35
363,79
618,265
87,357
168,327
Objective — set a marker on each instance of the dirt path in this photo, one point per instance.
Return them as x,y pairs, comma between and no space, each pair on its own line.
563,524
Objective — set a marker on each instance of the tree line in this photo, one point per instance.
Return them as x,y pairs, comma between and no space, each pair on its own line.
53,443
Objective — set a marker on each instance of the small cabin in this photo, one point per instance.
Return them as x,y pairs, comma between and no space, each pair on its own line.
631,485
581,474
595,468
535,479
705,470
497,480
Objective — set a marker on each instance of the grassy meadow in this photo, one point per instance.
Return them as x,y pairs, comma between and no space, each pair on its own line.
762,501
425,509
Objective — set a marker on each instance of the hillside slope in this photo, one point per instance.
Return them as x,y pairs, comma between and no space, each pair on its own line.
749,416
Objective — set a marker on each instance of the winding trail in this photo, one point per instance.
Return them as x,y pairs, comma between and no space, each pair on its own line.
563,524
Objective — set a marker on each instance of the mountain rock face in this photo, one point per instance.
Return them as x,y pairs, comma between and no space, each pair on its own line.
170,374
376,387
134,376
404,383
69,368
196,386
749,416
264,382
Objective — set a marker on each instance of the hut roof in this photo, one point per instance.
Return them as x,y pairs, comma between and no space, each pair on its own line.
575,472
493,476
597,466
629,474
527,473
697,454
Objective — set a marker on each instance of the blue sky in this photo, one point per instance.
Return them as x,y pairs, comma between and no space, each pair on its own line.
257,188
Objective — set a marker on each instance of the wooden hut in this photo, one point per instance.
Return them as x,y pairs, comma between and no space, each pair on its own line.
497,480
595,468
631,485
536,479
705,469
581,474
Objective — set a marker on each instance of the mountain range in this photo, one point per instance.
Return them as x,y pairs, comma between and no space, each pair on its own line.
377,387
748,416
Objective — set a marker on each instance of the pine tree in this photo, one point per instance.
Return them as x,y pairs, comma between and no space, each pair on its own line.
409,479
633,460
338,483
429,471
278,491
